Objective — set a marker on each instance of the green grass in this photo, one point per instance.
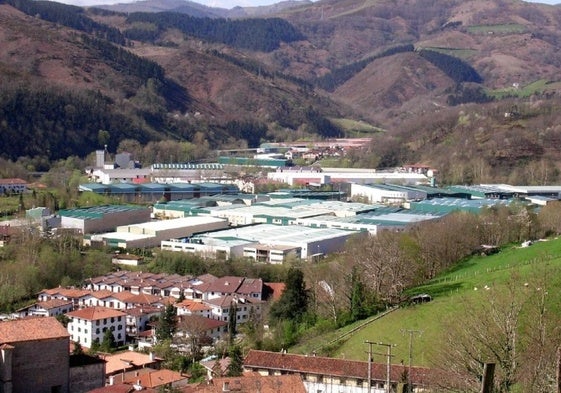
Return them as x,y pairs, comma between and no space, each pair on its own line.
461,53
508,28
447,290
538,86
355,128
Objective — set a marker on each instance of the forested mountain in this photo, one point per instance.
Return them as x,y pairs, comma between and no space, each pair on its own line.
438,77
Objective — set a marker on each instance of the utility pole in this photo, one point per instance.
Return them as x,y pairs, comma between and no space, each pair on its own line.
370,343
411,333
388,364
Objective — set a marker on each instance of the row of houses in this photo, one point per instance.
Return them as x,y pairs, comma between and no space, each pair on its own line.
127,302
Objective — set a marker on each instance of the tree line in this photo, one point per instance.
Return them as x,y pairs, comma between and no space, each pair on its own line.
339,76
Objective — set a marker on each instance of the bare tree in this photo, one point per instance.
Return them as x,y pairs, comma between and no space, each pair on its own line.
507,325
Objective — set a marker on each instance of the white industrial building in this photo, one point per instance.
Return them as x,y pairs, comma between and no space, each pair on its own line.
302,176
151,234
265,242
386,193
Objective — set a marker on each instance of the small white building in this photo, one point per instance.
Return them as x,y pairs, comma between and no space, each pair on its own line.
12,186
89,324
48,308
244,308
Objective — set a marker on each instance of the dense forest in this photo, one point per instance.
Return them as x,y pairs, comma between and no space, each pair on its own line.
457,69
68,15
255,34
340,75
57,124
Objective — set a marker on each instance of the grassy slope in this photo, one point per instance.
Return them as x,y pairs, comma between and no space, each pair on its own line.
447,290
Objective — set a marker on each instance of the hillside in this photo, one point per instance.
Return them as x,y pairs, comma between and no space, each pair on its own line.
438,77
474,281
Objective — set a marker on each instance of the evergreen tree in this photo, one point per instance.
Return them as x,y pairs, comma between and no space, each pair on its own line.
166,325
235,368
358,309
294,301
108,343
232,315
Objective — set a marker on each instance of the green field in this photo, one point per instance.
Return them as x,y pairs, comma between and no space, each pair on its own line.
508,28
467,281
354,128
461,53
538,86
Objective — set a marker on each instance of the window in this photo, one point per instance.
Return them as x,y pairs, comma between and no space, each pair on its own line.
119,319
97,323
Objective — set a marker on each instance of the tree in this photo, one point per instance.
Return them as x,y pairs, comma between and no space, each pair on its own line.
294,301
78,350
507,325
232,322
235,368
166,324
108,343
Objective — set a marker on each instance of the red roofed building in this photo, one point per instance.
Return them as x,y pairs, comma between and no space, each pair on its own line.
251,384
191,307
48,308
12,186
156,379
332,374
89,324
34,356
76,296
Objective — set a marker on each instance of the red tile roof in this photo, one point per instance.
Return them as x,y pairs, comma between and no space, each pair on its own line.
66,292
120,388
330,366
202,322
95,313
127,361
251,384
53,303
155,378
192,305
31,329
12,181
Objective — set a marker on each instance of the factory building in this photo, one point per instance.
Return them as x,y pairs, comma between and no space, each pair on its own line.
151,234
265,242
103,218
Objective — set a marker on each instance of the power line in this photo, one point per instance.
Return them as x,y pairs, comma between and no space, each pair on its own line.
411,333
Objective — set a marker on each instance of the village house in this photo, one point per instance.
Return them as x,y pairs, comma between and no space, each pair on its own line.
47,308
12,186
89,324
138,318
245,308
324,375
191,307
123,362
76,296
34,356
251,384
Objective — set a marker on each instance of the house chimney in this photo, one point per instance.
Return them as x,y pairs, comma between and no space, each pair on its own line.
111,380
